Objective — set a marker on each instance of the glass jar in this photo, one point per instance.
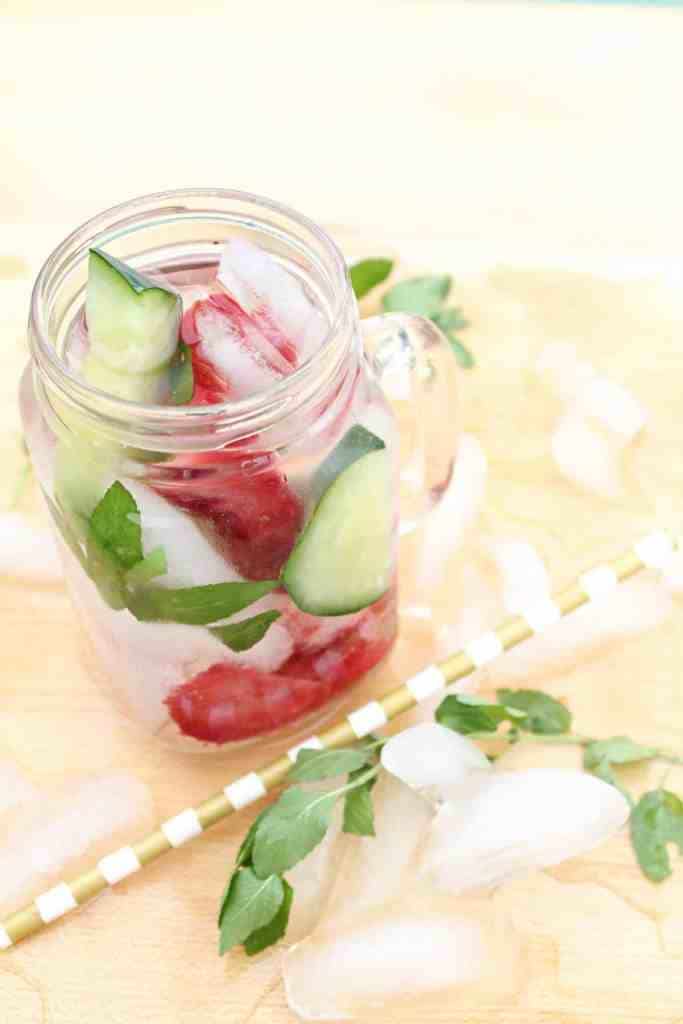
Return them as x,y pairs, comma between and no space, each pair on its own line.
226,489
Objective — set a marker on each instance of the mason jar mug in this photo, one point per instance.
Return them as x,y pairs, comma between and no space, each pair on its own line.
233,559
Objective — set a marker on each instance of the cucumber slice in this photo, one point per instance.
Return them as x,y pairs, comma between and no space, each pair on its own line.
133,322
343,560
355,443
133,329
151,388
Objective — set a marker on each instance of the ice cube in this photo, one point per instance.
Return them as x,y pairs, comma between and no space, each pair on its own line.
235,352
259,284
613,405
431,758
586,457
482,607
517,822
371,870
524,576
27,552
191,559
347,969
15,788
57,835
191,293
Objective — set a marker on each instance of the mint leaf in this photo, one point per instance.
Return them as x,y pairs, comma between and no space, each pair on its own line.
240,636
312,765
421,295
115,524
271,933
471,714
544,715
657,819
290,829
181,375
247,845
367,274
249,904
152,565
196,606
359,814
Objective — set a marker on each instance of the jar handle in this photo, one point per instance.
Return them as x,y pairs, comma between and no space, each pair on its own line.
418,373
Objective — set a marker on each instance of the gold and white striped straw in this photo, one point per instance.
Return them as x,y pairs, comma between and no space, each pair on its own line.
653,551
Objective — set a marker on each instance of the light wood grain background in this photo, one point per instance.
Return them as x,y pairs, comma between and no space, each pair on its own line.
533,152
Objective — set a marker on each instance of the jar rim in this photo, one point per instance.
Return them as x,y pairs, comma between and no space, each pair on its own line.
241,413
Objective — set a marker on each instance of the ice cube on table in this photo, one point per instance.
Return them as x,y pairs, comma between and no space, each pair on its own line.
262,286
15,788
345,970
27,552
57,835
524,577
430,758
373,870
586,457
517,822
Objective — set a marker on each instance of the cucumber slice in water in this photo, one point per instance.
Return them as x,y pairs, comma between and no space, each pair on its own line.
133,322
342,562
133,329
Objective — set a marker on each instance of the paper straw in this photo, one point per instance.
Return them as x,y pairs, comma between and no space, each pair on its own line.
653,551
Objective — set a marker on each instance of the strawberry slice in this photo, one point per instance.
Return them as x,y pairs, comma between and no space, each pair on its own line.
209,387
228,702
255,515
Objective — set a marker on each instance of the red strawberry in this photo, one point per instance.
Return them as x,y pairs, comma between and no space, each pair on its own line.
255,514
209,387
228,702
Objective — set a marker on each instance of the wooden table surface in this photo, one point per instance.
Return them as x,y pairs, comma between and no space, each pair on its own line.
535,154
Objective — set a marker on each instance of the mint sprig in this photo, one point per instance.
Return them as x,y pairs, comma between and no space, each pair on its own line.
425,296
656,817
285,833
109,548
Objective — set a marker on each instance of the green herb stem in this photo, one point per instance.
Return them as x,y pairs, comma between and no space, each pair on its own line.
565,739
